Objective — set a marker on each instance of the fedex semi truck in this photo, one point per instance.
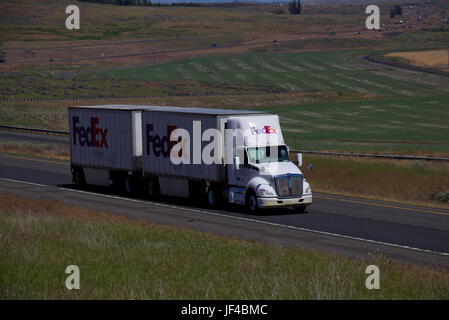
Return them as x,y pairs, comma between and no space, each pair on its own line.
232,156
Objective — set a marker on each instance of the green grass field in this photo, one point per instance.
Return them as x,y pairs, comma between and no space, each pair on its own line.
342,72
382,109
390,125
121,258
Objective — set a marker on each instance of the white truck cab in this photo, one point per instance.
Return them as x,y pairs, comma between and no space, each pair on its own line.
261,174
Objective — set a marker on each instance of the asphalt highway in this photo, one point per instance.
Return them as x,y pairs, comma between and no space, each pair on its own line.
351,226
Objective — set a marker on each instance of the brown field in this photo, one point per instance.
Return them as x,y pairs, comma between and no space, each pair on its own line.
109,34
389,180
41,150
32,33
438,59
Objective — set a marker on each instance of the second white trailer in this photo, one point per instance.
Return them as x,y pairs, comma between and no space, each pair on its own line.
158,123
232,155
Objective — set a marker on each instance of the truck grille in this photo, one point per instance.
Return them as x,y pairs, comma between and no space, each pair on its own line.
289,185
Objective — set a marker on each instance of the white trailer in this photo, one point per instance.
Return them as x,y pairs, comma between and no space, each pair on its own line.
106,145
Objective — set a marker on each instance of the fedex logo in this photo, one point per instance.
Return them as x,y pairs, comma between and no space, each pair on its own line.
90,136
159,145
263,130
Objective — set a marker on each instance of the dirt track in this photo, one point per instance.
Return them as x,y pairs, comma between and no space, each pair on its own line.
379,58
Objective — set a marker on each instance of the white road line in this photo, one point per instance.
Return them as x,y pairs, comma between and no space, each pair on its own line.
240,218
24,182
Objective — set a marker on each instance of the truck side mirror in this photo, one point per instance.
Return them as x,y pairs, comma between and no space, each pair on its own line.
237,162
298,161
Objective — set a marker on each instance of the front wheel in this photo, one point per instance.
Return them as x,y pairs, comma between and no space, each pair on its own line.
78,176
251,202
213,197
152,189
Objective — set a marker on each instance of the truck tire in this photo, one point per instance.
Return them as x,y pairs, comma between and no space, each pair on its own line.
251,202
128,185
78,176
152,189
212,197
115,181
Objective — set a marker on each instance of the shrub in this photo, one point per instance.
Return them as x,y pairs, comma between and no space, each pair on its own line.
294,7
442,196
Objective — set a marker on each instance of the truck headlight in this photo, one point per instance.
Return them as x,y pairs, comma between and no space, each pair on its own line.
308,190
265,191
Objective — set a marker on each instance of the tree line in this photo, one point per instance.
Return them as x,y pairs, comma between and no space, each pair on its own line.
294,7
147,3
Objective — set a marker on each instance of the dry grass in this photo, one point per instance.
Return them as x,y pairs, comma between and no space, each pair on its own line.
412,182
121,258
52,151
53,114
438,59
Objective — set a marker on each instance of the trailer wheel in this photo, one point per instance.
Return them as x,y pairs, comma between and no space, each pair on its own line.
78,176
251,202
152,189
128,185
115,181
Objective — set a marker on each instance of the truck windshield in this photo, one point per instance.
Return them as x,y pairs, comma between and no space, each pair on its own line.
268,154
